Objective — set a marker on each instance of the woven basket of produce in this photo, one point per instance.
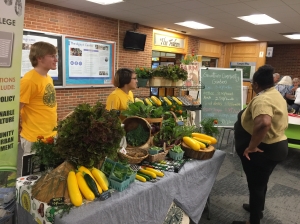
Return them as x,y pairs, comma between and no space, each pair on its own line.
134,155
159,156
202,154
155,124
138,132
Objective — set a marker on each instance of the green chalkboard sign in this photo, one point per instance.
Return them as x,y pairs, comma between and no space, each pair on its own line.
222,96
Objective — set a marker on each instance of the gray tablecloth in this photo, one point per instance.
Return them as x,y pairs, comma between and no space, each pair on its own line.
148,203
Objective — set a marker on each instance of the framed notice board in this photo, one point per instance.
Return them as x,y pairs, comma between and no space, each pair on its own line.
29,38
89,63
222,96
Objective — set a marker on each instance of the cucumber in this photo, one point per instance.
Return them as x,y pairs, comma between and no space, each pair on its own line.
144,175
91,183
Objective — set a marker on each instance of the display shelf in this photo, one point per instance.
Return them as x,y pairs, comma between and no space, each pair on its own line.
192,107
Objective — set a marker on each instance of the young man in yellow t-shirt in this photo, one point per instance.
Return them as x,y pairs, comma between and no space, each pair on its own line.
38,107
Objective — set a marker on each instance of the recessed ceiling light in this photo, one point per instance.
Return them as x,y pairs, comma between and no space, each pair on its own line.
295,36
194,25
259,19
105,2
244,38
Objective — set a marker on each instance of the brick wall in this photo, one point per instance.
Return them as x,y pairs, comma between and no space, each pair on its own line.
49,18
286,59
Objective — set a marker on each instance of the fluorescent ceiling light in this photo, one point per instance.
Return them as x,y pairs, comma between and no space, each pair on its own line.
173,30
244,38
194,25
295,36
105,2
259,19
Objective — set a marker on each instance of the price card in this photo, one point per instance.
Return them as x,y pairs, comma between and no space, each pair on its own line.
105,195
57,201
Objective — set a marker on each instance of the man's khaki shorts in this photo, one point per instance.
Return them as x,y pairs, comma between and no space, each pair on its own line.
26,146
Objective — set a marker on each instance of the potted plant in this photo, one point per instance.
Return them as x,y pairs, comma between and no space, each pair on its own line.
89,134
143,74
208,126
157,77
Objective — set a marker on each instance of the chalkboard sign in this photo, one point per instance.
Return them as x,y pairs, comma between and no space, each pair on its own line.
222,96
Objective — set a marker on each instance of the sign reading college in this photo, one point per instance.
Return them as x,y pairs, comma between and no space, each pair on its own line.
167,41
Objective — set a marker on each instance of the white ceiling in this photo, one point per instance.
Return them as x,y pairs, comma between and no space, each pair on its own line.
221,14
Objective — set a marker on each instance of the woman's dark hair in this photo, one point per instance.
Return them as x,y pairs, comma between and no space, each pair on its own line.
264,76
123,77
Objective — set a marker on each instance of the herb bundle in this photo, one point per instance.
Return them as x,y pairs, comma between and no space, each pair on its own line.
137,137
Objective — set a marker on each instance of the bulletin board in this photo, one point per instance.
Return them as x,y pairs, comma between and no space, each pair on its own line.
31,37
89,63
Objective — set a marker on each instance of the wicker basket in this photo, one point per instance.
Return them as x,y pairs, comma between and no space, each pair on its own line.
155,121
134,155
132,123
158,157
203,154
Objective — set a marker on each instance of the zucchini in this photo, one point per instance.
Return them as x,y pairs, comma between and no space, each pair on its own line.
156,100
83,169
205,143
177,100
84,188
92,184
191,143
167,101
206,137
148,102
148,178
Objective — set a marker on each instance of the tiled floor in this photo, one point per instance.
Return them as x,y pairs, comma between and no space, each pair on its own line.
230,192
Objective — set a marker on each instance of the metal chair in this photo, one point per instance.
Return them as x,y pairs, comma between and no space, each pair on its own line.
221,138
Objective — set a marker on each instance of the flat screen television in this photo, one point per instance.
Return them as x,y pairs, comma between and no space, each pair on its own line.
134,41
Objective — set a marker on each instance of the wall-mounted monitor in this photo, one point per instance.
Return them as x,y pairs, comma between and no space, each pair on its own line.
134,41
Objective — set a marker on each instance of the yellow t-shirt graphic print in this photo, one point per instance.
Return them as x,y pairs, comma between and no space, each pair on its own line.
39,114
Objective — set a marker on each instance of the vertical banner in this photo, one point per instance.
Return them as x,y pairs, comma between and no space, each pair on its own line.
11,33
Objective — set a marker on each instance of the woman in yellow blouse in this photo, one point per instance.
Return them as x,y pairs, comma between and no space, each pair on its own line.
125,80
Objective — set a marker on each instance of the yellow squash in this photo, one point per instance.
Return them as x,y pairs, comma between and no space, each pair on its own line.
202,145
204,136
157,172
177,100
191,143
167,101
149,173
138,100
84,188
74,192
156,100
86,170
202,140
99,179
148,102
140,178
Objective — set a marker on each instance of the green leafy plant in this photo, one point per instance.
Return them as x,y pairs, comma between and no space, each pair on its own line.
43,149
143,72
171,133
171,72
137,137
208,126
189,59
177,149
141,110
89,134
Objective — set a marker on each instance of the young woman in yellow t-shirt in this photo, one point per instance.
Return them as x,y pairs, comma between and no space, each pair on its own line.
125,80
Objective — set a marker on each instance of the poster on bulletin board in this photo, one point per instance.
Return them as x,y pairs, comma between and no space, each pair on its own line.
89,63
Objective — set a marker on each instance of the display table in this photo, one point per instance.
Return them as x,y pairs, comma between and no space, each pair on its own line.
149,202
293,132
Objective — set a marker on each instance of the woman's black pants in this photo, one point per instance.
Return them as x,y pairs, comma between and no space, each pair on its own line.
258,171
